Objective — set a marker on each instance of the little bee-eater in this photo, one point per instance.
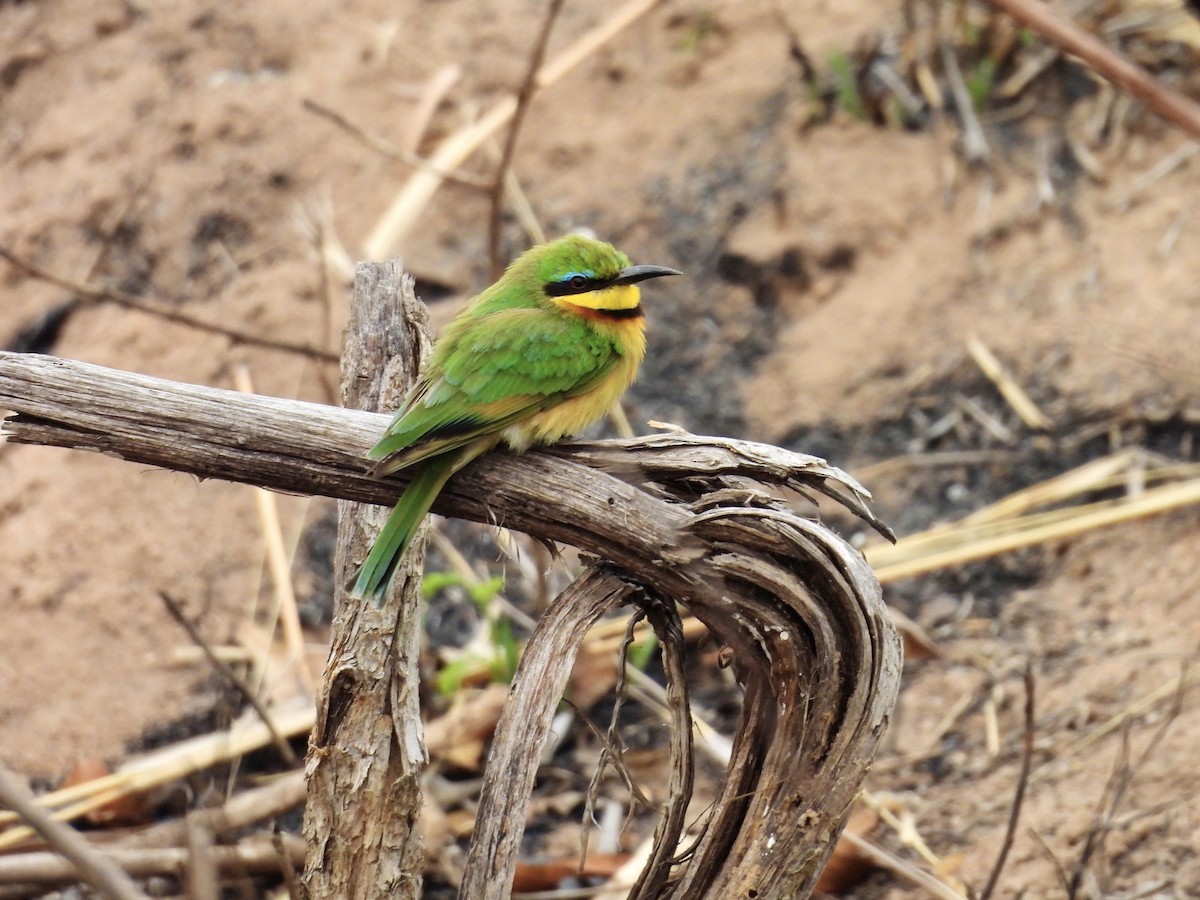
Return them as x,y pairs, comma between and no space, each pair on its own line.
542,353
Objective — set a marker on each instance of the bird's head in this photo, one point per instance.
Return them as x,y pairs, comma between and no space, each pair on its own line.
579,274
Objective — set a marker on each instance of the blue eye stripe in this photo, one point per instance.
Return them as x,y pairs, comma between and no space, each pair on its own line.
580,282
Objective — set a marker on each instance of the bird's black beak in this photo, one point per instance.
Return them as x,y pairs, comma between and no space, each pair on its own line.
634,274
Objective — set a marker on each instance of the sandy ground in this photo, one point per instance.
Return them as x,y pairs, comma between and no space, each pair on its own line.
836,272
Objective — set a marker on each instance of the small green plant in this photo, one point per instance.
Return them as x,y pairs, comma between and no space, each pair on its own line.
642,651
701,26
845,85
981,81
481,592
504,650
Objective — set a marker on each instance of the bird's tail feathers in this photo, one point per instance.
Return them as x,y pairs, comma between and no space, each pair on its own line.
401,527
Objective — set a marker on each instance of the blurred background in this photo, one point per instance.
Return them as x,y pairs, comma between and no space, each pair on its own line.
919,242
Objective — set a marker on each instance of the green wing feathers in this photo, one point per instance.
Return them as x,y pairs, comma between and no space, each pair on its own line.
493,371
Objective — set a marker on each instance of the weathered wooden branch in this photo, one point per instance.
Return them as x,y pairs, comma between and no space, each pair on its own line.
679,516
367,753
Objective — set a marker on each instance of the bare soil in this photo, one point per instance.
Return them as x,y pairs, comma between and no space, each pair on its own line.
836,271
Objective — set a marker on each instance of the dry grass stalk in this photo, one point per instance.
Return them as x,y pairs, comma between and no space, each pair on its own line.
1022,783
1024,407
284,611
905,828
94,867
142,773
1115,791
406,209
252,855
503,169
1006,526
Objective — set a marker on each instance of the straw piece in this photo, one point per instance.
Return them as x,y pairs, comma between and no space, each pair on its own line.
1091,476
254,854
162,766
431,98
967,545
93,866
885,859
1012,392
281,570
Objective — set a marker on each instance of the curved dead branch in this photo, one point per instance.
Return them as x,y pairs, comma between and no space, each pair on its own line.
692,519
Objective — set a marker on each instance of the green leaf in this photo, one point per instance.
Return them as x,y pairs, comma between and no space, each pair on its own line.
435,582
981,81
485,592
641,652
848,96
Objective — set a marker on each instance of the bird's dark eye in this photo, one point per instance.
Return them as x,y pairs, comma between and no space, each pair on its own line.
578,282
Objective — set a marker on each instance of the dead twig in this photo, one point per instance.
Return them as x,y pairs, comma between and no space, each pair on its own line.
390,150
203,879
1022,783
231,678
161,310
1119,782
1127,75
524,95
94,867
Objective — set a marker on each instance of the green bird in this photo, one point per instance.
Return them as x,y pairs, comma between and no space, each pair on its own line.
542,353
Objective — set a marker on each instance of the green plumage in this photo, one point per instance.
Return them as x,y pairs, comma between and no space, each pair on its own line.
542,352
401,527
490,372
